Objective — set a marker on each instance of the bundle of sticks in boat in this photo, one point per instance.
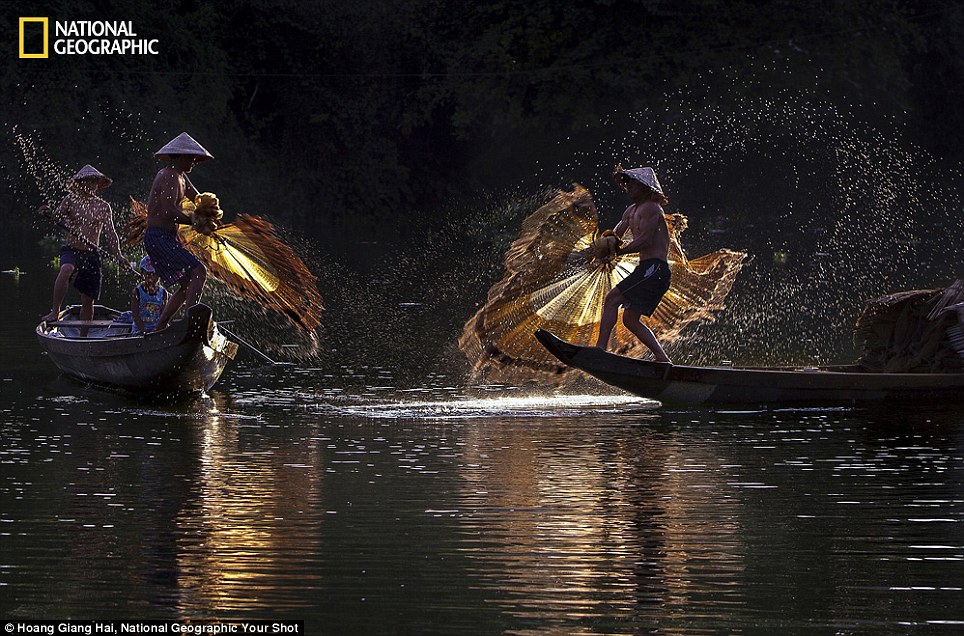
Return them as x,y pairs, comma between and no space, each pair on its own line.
952,303
919,331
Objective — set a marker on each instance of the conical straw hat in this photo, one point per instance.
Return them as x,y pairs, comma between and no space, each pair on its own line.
184,144
90,172
646,176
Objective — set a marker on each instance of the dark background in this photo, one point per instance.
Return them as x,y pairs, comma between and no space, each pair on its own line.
347,112
399,144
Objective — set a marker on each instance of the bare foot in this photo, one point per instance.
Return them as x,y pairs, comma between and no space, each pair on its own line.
51,317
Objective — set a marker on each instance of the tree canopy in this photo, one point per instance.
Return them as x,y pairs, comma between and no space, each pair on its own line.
348,111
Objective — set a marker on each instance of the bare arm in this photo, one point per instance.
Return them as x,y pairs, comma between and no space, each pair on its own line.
189,190
62,212
136,310
59,215
623,224
112,239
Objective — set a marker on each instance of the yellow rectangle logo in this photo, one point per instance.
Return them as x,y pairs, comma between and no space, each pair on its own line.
44,23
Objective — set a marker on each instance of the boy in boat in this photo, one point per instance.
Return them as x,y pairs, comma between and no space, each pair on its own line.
84,215
174,264
147,299
640,292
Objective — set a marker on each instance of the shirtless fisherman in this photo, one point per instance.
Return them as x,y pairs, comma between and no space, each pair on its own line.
640,292
84,215
174,264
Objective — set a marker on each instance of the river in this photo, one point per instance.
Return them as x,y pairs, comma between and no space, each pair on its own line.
363,501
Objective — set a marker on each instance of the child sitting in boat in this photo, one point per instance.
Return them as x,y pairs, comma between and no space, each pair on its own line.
147,299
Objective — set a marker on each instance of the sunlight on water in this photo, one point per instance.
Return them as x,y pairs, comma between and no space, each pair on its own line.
387,499
534,406
361,508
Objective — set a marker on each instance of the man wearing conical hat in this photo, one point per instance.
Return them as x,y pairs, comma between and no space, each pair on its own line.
83,215
640,292
174,264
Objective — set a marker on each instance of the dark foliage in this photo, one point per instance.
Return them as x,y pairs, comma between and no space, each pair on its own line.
339,115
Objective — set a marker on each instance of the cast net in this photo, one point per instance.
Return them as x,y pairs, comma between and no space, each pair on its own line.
248,258
552,282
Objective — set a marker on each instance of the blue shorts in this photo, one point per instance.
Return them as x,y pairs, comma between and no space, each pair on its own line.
645,287
170,259
87,273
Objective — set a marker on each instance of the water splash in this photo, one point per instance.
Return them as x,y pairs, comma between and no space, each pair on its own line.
498,407
45,174
836,211
41,177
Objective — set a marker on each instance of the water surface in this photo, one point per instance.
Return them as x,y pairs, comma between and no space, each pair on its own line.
362,501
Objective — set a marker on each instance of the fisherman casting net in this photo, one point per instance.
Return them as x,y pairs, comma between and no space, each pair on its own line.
247,257
554,282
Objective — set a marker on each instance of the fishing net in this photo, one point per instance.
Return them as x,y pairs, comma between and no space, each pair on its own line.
553,282
250,260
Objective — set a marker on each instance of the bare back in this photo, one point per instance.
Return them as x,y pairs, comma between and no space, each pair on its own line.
164,201
86,216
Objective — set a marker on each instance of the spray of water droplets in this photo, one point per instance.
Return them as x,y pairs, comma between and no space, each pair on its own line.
834,210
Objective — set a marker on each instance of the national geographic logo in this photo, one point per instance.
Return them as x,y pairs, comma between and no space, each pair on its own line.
29,29
82,37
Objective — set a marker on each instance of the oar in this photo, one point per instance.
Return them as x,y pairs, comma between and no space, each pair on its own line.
253,348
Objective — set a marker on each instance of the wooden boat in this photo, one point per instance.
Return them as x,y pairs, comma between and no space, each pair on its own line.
187,357
677,384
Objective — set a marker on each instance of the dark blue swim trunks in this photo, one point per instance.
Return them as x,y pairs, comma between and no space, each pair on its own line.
87,273
171,260
645,287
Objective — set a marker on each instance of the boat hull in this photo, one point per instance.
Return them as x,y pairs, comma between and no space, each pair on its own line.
672,384
187,357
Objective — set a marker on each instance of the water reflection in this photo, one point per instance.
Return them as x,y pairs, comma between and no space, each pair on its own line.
570,534
251,531
92,505
416,512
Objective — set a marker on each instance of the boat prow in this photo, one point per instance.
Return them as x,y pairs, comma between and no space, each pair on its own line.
677,384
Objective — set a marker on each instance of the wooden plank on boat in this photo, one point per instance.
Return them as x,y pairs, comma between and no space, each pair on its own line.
82,323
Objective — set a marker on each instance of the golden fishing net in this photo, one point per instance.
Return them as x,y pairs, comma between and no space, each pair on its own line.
552,283
250,260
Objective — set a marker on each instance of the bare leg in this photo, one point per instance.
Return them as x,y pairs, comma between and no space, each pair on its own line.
173,304
60,291
86,312
631,318
190,291
195,285
609,315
